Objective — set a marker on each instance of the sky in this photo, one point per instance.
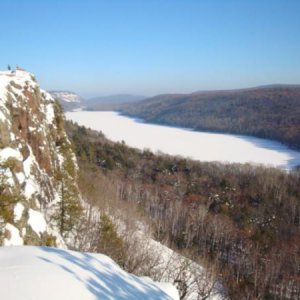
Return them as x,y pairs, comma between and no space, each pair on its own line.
141,47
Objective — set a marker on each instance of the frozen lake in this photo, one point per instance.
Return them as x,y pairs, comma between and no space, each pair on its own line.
179,141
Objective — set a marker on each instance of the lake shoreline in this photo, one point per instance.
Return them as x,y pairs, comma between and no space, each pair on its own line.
211,131
188,142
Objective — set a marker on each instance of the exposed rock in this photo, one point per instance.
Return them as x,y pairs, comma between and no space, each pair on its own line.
35,158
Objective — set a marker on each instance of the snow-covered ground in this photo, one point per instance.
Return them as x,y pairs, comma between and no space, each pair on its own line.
49,273
173,267
196,145
66,96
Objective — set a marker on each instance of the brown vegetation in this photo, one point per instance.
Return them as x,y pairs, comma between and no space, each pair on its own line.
244,220
267,112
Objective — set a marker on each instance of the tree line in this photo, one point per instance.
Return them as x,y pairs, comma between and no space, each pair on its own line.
243,219
267,112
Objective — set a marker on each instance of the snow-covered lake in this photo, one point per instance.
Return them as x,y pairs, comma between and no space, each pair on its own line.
188,143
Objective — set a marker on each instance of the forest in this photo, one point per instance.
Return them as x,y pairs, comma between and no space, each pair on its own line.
268,112
241,221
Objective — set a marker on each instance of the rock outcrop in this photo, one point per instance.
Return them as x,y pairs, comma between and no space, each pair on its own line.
38,170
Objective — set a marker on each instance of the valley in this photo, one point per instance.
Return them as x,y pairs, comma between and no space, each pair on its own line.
271,112
154,151
203,146
240,222
223,225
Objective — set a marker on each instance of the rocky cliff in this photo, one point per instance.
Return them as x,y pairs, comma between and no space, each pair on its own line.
39,198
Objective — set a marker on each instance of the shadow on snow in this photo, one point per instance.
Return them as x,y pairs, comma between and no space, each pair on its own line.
105,282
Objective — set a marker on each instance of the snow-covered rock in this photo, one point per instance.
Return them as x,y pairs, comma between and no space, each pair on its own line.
50,273
34,149
18,211
12,236
37,221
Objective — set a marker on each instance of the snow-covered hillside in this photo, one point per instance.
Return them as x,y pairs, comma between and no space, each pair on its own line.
47,273
66,96
68,100
35,160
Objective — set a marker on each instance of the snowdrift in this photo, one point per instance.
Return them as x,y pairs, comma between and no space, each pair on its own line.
28,272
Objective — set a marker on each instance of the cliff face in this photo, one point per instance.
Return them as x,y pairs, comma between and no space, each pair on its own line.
38,170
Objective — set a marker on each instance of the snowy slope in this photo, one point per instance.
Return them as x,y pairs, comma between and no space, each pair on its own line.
168,265
173,266
68,100
56,274
66,96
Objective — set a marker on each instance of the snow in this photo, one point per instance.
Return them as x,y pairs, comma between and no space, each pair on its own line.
12,136
172,266
61,159
30,188
18,211
20,77
8,176
2,116
21,177
14,238
168,288
66,96
167,265
48,273
194,273
37,221
50,113
188,143
8,152
27,164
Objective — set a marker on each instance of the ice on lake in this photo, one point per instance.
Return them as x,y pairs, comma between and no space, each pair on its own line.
202,146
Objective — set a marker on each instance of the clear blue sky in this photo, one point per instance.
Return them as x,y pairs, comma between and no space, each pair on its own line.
150,47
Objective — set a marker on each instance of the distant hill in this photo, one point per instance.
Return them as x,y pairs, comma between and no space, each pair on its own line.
69,100
269,111
110,102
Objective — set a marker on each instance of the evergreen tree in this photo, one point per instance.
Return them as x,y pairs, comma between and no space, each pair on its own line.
69,209
109,242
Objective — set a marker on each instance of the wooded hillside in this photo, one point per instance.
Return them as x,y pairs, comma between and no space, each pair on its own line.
242,220
268,112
